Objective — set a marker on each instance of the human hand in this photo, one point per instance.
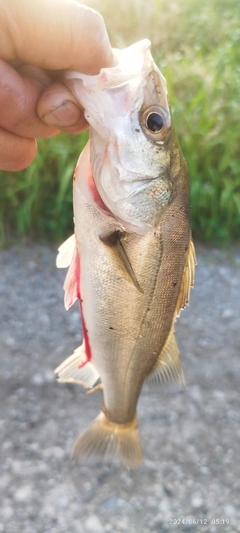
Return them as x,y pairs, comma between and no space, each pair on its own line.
37,41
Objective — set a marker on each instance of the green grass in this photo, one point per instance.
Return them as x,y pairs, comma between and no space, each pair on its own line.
204,86
36,204
197,46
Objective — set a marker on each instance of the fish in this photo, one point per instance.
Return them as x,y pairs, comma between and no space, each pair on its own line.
131,258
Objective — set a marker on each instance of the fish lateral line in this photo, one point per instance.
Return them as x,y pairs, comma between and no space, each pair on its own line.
113,241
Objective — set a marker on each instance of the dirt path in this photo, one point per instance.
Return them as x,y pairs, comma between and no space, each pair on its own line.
191,439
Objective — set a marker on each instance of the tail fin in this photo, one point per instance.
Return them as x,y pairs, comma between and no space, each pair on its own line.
105,439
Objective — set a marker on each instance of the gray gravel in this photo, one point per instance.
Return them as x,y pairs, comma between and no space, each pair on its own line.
190,439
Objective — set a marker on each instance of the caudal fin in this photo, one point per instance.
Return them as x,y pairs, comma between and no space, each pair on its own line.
105,440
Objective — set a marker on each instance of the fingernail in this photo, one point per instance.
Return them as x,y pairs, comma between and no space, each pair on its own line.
65,114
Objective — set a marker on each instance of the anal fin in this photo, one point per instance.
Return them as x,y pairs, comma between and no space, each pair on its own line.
168,366
77,369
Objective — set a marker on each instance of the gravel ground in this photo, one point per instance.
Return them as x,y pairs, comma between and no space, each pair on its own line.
190,439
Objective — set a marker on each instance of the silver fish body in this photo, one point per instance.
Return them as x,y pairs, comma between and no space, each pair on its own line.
134,260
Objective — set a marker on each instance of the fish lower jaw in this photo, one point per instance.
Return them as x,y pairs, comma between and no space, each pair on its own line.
105,439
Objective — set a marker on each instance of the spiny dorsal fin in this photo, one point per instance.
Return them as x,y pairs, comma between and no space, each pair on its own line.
168,366
115,244
187,279
77,369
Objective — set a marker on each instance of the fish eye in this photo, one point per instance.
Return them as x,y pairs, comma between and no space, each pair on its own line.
154,122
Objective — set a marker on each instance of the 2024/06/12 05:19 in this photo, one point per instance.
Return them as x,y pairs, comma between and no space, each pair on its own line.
197,521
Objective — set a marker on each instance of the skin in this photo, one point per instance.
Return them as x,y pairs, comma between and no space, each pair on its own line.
37,41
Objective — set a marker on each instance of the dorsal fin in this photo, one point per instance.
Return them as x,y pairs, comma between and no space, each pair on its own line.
187,278
168,366
113,241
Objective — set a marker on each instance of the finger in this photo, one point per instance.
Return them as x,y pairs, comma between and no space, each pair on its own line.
19,96
16,153
74,34
58,107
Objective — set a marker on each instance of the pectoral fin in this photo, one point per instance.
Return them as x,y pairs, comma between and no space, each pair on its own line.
187,279
113,241
168,366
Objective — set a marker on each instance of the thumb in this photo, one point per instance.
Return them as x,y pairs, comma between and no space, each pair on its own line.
54,34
